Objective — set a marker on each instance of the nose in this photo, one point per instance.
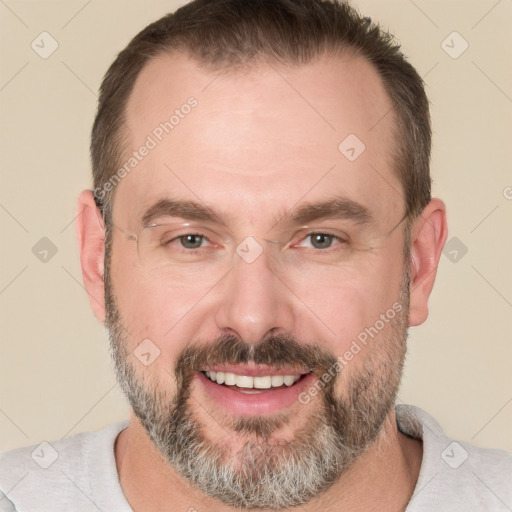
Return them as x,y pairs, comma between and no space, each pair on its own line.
253,301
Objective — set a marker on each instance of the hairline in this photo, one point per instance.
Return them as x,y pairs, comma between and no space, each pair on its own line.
123,134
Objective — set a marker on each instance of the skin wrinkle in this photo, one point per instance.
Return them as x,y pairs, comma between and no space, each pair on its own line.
264,473
338,208
232,121
186,444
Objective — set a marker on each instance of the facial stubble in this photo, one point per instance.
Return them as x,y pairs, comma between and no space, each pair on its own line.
268,471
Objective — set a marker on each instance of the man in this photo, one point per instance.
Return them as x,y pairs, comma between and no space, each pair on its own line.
259,238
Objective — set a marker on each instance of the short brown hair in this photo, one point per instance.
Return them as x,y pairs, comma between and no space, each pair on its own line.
223,34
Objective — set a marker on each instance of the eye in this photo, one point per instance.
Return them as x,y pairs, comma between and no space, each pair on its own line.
192,241
321,240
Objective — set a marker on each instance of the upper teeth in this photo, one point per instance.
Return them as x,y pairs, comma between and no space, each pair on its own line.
245,381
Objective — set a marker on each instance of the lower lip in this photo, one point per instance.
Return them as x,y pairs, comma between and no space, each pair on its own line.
268,401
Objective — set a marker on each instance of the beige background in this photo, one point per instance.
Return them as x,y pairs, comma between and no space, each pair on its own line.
55,373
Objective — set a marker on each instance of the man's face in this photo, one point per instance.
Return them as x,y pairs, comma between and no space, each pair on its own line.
318,289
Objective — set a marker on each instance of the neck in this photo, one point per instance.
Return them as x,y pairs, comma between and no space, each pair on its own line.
382,479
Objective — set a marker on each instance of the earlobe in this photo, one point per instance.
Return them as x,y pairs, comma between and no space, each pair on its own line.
91,245
428,236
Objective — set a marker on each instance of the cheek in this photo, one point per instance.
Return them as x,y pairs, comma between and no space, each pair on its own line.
344,307
333,311
151,309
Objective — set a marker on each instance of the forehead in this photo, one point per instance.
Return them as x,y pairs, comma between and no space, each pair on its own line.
262,137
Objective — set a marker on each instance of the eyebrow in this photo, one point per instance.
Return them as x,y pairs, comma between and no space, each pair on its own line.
336,208
189,210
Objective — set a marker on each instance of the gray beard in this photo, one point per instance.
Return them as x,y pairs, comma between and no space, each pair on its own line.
267,472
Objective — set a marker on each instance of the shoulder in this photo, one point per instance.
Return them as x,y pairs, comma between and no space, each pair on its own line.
38,477
455,476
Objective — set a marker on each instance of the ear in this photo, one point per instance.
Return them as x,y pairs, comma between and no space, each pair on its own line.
428,236
91,244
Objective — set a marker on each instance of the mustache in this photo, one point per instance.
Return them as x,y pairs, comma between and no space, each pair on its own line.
279,351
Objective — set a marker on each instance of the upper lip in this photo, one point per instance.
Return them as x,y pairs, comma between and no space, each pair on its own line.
255,370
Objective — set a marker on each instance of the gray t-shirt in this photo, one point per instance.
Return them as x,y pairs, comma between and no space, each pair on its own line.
79,473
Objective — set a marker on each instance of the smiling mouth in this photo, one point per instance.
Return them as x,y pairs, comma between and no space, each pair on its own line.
249,384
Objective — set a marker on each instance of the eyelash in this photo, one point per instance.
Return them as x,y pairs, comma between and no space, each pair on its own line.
340,240
178,238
